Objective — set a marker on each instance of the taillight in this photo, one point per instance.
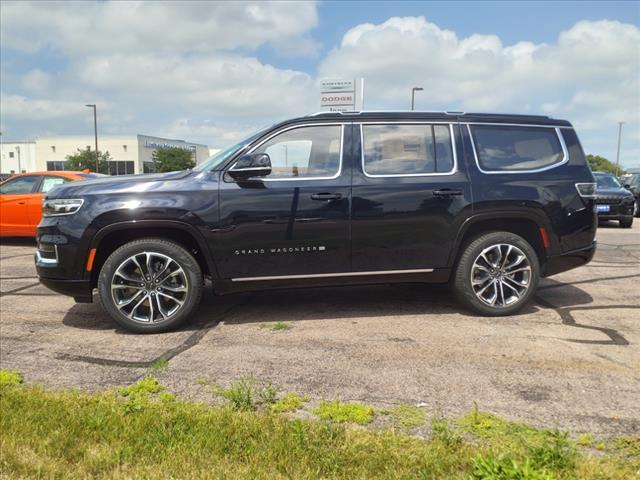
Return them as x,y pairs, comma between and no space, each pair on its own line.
586,190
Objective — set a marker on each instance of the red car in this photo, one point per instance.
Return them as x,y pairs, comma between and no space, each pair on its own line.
21,200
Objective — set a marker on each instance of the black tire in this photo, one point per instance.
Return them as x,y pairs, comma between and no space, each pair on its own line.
462,280
185,285
636,210
626,222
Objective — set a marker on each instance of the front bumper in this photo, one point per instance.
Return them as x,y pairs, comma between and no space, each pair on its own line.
80,290
569,260
616,208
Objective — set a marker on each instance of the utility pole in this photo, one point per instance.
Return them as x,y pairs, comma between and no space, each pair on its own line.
19,165
413,95
618,154
95,130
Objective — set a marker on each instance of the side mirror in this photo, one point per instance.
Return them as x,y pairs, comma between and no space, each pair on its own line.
252,165
627,185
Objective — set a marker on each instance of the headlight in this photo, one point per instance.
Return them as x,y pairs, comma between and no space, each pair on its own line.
61,206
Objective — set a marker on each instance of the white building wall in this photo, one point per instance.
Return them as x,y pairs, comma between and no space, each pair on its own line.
17,157
56,149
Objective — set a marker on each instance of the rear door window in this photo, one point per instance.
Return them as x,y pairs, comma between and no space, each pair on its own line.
514,148
395,149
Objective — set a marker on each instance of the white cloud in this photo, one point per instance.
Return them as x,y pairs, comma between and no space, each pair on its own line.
21,108
135,26
590,75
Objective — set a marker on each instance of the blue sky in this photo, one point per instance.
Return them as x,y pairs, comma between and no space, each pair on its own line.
212,72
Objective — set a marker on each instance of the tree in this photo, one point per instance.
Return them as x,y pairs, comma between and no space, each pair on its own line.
601,164
171,159
84,159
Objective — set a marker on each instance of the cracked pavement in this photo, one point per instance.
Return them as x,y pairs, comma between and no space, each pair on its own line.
570,360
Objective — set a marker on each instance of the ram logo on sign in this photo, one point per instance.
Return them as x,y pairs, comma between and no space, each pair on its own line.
338,95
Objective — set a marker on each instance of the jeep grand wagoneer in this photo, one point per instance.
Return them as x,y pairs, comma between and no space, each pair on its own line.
488,203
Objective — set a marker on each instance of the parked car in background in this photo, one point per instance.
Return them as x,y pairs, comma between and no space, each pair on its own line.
613,201
632,184
21,199
487,202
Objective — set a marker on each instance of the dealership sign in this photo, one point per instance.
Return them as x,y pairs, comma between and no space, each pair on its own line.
339,95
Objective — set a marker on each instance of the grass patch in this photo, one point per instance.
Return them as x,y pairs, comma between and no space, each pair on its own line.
160,364
276,326
337,411
289,403
9,377
69,434
407,417
248,393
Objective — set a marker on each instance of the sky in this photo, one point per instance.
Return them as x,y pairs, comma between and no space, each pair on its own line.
214,72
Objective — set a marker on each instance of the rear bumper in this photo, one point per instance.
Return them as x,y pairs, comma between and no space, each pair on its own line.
80,290
569,260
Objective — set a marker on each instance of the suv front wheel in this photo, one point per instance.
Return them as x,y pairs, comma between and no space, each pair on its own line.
150,285
497,274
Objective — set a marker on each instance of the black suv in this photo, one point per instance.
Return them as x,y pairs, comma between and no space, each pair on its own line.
613,201
633,185
487,202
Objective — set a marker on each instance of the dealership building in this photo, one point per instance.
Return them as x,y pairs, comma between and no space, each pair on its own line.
129,154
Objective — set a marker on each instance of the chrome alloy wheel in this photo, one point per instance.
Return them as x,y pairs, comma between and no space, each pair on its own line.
149,287
501,275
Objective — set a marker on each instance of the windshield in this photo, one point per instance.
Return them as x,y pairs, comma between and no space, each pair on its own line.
223,155
607,181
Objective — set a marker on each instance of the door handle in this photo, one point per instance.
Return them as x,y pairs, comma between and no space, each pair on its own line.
22,203
326,196
447,192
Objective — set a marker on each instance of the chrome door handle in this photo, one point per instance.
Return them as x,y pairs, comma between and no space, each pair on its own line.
326,196
447,192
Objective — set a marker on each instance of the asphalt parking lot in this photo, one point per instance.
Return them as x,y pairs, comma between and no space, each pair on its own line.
571,360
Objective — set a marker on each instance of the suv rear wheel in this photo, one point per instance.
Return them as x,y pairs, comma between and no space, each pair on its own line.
497,274
150,285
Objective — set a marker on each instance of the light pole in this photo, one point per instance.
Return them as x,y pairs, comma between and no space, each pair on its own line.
95,130
618,154
413,95
19,165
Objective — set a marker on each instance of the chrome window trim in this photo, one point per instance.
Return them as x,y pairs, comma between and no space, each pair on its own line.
506,124
453,171
330,275
293,127
565,152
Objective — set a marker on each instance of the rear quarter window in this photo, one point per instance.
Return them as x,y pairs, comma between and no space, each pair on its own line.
515,148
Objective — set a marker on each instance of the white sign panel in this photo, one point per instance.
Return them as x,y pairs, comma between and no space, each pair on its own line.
337,95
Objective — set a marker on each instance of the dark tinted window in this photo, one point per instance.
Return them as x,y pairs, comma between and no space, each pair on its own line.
607,181
407,149
516,148
20,185
55,166
120,167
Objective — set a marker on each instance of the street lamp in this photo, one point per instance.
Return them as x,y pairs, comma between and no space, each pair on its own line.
95,130
413,95
618,154
19,164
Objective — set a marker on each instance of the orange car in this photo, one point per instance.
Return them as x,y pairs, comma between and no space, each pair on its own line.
21,200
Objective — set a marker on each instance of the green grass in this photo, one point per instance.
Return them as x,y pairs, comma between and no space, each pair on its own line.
9,377
248,393
289,403
159,364
276,326
336,411
406,417
69,434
